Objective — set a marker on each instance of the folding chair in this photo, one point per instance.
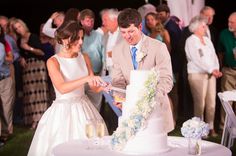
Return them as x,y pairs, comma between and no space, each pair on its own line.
229,132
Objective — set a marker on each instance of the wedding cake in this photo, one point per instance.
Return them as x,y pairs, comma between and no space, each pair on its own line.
142,132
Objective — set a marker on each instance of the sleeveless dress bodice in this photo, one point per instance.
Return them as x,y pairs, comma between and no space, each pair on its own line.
71,69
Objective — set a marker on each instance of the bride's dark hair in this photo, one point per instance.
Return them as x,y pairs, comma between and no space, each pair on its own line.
68,30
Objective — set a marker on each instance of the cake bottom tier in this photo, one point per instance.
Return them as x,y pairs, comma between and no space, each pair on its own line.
147,144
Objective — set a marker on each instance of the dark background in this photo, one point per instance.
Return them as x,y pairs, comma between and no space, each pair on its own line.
36,12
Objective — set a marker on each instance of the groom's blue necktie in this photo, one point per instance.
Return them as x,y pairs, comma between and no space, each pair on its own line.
135,63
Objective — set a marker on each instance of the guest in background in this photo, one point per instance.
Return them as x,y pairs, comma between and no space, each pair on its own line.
10,44
203,68
11,38
72,14
112,37
35,88
156,29
93,46
143,10
10,35
2,85
186,100
163,12
57,18
10,29
227,53
211,32
7,90
102,29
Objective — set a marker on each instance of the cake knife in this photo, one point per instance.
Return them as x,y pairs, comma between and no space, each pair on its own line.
118,89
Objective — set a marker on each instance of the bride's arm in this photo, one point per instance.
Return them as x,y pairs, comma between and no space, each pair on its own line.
65,87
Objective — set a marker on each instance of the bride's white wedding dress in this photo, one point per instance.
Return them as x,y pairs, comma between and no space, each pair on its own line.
65,119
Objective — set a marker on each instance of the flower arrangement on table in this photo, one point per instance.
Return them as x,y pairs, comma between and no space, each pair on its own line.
194,129
129,127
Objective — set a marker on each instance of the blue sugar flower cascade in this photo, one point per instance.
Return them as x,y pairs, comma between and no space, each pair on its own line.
136,121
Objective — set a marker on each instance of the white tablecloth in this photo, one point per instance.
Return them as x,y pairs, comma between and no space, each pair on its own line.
178,147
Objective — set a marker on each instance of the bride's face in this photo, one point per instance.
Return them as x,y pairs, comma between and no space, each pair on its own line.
77,45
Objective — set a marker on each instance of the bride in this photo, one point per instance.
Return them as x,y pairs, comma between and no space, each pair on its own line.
69,71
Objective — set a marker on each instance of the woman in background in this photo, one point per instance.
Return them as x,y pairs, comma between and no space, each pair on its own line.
203,69
156,29
34,74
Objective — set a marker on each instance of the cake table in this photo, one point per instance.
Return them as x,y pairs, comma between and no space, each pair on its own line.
178,147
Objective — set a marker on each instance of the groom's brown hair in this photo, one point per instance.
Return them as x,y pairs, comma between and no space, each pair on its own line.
129,16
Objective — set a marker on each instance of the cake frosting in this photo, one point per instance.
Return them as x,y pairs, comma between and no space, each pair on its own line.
151,138
133,90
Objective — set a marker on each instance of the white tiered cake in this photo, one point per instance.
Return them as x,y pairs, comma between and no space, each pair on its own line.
152,138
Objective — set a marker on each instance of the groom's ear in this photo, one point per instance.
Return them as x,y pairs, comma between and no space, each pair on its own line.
140,27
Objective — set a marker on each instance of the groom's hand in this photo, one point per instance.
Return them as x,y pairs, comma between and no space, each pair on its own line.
107,88
118,104
118,100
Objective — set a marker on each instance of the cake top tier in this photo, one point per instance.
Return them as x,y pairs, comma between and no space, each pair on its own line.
138,77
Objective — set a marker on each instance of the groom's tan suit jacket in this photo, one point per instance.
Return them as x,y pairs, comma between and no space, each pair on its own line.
157,56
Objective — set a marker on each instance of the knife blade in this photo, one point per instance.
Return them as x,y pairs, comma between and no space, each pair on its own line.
118,89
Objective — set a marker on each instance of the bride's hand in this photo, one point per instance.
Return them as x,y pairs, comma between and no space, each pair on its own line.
107,88
96,81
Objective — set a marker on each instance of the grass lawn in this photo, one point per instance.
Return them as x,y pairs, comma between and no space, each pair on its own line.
18,144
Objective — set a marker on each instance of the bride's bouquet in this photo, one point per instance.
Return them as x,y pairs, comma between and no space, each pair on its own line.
195,128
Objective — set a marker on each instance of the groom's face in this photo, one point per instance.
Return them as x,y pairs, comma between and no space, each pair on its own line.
132,34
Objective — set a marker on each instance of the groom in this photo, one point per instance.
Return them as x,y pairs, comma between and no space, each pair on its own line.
140,52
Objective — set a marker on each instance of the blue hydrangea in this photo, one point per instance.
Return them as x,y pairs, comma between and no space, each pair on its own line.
194,128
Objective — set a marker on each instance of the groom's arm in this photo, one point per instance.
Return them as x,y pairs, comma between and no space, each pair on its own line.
118,79
163,65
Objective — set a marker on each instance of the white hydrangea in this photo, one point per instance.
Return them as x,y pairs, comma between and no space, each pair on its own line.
195,128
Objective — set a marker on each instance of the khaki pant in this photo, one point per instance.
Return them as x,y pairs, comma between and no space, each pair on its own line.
203,88
7,96
228,83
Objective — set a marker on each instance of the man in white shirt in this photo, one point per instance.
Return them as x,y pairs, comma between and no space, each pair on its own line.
112,37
